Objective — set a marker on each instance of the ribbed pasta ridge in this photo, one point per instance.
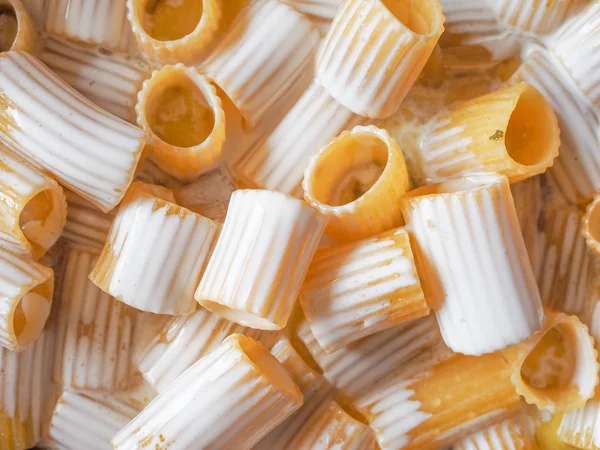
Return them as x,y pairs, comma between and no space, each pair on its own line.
268,47
322,9
86,225
536,16
510,434
581,427
51,124
94,331
278,162
244,406
112,81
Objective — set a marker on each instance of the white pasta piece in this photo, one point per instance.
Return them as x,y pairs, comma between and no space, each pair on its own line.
476,272
139,394
50,124
581,427
88,420
147,328
94,331
261,258
375,50
100,22
18,29
527,195
317,9
229,400
86,226
358,289
33,210
181,342
267,49
576,171
26,289
111,80
155,253
278,162
511,434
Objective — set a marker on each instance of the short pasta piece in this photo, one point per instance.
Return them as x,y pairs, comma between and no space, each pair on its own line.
266,50
94,331
155,253
474,264
511,131
361,288
591,225
261,258
322,9
51,125
33,210
17,30
25,300
515,433
527,195
358,191
546,434
229,399
375,50
533,16
580,427
184,117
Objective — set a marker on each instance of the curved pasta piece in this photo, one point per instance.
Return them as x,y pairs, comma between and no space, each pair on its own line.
25,300
278,162
473,262
375,50
172,32
511,131
358,191
94,331
266,50
244,389
515,433
18,30
261,258
580,427
86,226
155,253
51,125
361,288
33,210
184,118
533,16
591,225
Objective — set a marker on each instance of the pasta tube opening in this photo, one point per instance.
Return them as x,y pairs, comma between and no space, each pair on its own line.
42,220
168,20
31,313
591,225
421,17
8,27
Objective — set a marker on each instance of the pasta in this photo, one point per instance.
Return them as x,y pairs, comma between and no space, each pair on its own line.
321,12
579,427
480,283
187,140
515,433
261,258
25,300
528,204
50,124
246,389
591,225
361,190
267,48
358,289
511,131
155,253
18,31
369,76
33,211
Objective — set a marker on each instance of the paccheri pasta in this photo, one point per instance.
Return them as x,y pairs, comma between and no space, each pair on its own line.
299,224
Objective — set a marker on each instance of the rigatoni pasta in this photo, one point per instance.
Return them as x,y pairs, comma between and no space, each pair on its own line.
591,225
515,433
18,29
580,427
533,16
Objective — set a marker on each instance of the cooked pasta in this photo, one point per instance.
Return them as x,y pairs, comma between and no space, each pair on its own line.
321,12
261,258
184,117
528,204
245,389
50,124
266,49
511,131
369,76
33,211
361,288
358,190
515,433
591,225
580,427
480,282
17,30
155,253
533,16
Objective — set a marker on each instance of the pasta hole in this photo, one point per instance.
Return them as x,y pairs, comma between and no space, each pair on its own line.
41,221
30,316
169,20
419,16
8,28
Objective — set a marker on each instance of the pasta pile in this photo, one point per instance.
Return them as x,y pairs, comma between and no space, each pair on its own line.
299,224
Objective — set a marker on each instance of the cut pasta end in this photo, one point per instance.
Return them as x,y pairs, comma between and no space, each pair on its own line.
8,27
422,17
30,314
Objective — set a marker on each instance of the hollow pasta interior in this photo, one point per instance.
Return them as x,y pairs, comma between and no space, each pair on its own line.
40,221
419,16
8,27
31,313
170,20
593,222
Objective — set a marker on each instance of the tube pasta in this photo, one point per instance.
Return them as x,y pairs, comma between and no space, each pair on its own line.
428,411
94,331
580,427
278,162
527,195
25,300
267,49
479,281
86,226
233,397
321,9
375,50
576,171
184,143
358,191
511,434
155,253
261,259
511,131
112,80
50,124
361,288
533,16
18,30
88,420
33,210
591,225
